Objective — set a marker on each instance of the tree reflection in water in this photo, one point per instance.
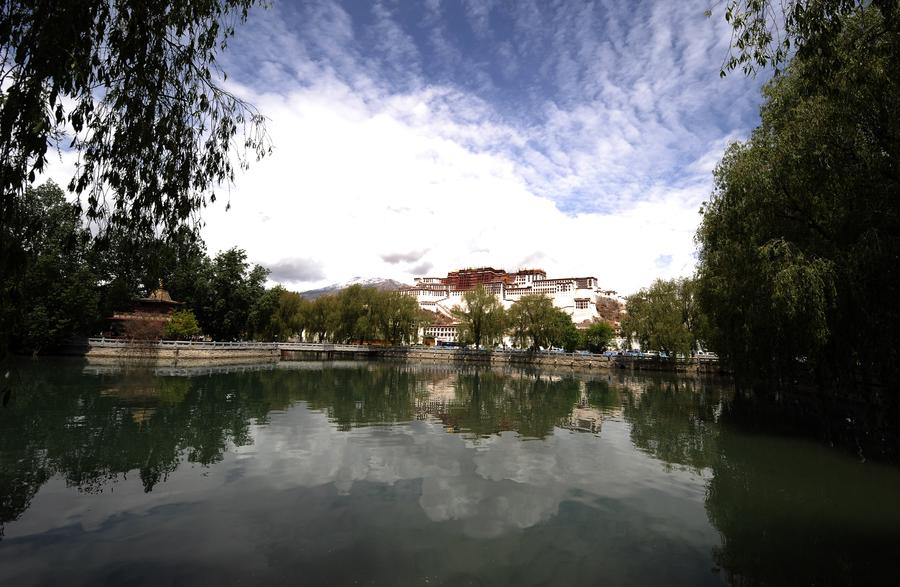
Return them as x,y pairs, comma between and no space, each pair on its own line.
487,402
93,431
788,510
676,420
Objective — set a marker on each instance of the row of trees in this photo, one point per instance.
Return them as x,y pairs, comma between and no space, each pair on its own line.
359,313
354,314
69,280
532,322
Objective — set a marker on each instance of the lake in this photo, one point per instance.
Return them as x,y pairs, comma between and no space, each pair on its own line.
376,473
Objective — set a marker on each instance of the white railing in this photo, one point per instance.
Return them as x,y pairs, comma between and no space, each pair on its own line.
325,347
180,344
240,345
357,348
581,354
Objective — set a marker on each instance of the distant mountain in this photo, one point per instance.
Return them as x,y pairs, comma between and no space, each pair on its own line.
376,282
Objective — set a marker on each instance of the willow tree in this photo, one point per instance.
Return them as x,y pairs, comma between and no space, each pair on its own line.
319,318
664,317
800,241
768,33
397,317
535,322
134,88
481,318
277,315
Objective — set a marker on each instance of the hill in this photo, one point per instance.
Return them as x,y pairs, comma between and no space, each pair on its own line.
376,282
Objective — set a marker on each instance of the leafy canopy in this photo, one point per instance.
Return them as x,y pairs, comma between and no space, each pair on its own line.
597,336
663,317
799,243
768,33
182,325
360,313
536,323
54,292
482,318
134,87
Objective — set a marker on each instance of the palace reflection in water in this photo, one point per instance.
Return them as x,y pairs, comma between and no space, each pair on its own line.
417,472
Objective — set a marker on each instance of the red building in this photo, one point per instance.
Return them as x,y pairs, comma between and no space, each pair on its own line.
466,279
146,320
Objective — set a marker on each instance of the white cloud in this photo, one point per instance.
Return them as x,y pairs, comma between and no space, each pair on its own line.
393,139
351,178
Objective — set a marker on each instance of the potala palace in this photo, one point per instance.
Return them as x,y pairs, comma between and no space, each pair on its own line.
580,297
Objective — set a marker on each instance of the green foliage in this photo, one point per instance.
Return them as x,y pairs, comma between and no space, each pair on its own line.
571,339
287,320
130,264
133,87
767,33
489,403
225,293
664,317
536,323
58,281
598,336
277,315
182,325
353,317
261,320
799,244
481,319
230,290
318,318
360,313
50,292
397,317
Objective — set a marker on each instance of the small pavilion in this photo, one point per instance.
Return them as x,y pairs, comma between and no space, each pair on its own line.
147,318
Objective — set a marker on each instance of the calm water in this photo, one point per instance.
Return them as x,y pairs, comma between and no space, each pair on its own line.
387,474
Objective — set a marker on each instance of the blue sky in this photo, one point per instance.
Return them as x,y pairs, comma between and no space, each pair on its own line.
419,137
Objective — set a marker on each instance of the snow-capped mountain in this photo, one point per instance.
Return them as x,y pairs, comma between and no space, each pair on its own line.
376,282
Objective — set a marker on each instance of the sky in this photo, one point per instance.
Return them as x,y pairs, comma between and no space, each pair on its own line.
416,138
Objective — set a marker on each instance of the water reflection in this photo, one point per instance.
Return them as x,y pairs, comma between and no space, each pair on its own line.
676,421
793,512
608,476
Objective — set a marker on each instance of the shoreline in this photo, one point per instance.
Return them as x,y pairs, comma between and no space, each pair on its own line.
175,354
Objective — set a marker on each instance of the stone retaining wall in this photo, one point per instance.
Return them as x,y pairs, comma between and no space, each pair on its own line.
550,360
169,354
155,355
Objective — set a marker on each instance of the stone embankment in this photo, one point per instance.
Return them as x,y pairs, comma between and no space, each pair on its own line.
173,353
551,359
170,352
